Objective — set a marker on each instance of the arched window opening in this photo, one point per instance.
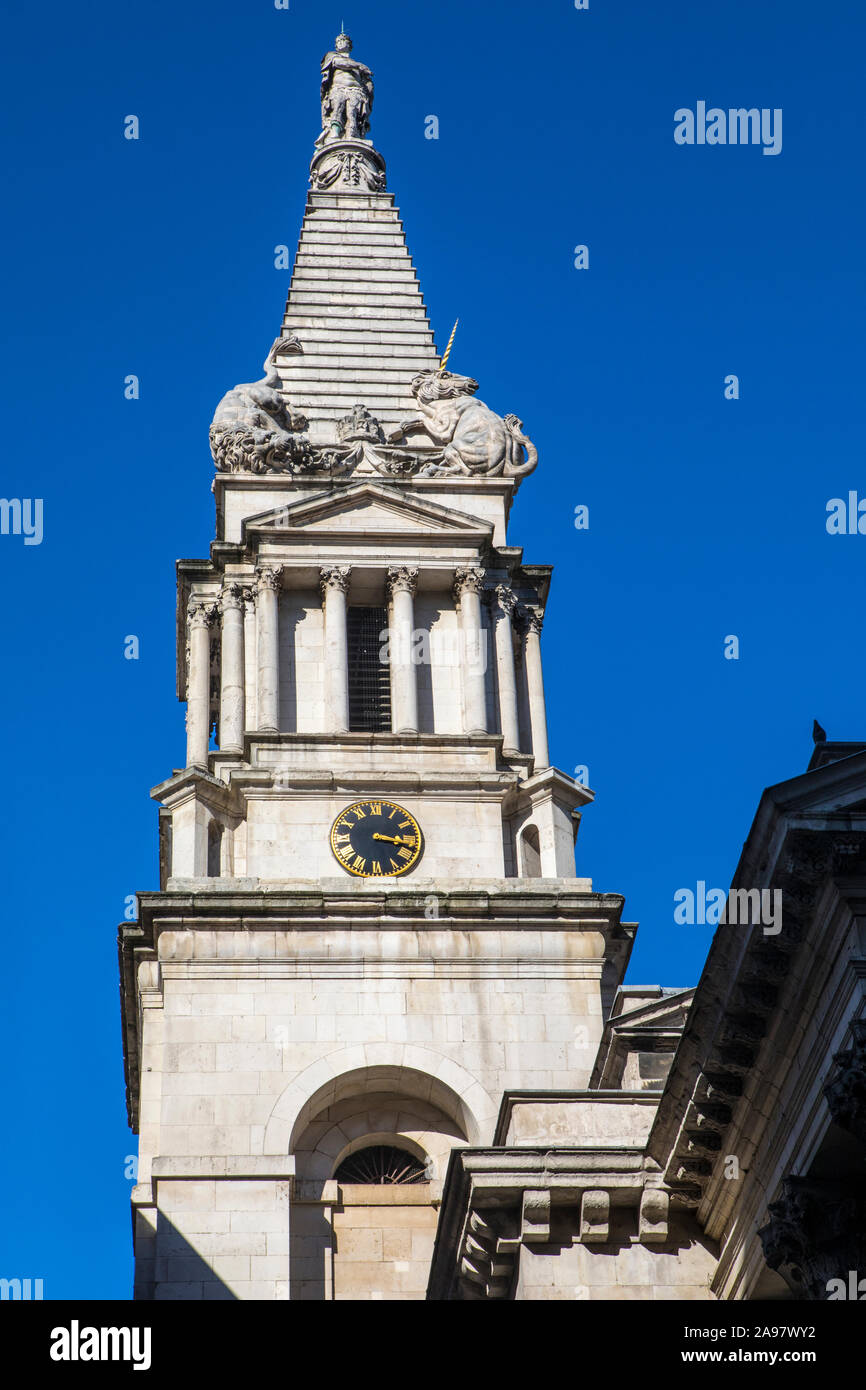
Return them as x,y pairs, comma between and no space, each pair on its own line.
530,853
381,1163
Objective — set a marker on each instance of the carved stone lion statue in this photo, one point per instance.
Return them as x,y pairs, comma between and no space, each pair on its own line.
254,430
475,439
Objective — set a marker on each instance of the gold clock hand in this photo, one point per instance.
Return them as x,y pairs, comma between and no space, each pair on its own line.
392,839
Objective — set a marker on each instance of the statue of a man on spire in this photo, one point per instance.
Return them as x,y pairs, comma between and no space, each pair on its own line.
347,94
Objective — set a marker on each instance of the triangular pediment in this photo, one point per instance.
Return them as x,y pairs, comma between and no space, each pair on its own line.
368,508
667,1012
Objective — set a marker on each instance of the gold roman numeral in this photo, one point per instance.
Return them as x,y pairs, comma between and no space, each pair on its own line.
403,823
376,869
359,863
346,851
341,839
405,853
362,815
375,808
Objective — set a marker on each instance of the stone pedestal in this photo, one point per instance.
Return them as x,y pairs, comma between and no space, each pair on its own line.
348,166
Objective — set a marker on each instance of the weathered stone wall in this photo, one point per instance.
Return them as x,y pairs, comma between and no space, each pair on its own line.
284,1047
215,1231
621,1269
383,1251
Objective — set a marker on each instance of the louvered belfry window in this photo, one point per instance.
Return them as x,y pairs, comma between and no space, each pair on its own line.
369,675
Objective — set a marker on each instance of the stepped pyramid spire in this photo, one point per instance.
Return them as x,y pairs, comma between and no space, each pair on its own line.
354,383
354,304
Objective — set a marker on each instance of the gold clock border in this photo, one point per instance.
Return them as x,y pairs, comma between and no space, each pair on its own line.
382,801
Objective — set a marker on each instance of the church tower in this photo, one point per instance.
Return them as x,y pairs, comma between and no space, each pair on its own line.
368,927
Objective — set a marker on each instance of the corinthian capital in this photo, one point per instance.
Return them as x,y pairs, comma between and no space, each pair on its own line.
268,577
846,1089
402,579
232,596
334,577
468,579
504,597
201,612
531,619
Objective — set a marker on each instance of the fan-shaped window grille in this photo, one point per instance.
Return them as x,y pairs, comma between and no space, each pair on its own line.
381,1164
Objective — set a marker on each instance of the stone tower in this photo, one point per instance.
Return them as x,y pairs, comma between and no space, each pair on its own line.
368,926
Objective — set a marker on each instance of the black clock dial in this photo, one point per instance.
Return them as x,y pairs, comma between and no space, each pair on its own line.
375,839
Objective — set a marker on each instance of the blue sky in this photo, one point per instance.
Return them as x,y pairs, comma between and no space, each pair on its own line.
707,516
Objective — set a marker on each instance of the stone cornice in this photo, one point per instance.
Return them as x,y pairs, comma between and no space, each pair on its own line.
298,486
531,904
451,782
495,1200
193,782
560,784
242,774
820,794
749,989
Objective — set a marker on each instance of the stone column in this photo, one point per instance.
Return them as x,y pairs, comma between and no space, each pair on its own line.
468,583
845,1089
201,613
502,606
268,634
232,670
402,582
250,657
334,583
816,1234
533,620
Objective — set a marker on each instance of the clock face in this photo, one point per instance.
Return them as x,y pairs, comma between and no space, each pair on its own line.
372,839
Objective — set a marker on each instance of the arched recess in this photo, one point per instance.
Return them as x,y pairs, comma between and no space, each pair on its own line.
529,852
215,833
409,1070
366,1240
367,1118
